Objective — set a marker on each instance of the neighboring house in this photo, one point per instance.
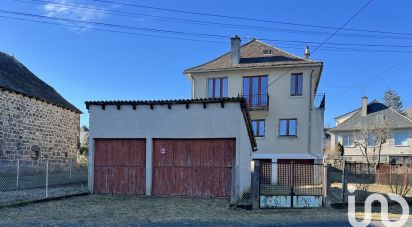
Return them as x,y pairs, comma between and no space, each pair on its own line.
280,89
198,147
84,136
36,123
398,147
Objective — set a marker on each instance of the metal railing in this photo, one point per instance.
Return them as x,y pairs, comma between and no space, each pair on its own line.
257,101
23,181
319,101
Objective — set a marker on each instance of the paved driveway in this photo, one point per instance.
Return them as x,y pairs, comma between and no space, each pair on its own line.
123,210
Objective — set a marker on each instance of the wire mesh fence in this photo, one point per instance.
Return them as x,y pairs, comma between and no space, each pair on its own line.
22,181
291,178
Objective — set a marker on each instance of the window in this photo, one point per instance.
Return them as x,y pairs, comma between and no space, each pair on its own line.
258,128
296,84
255,89
217,87
347,141
401,139
288,127
371,140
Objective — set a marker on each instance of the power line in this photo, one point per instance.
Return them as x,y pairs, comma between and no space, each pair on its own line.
180,33
380,77
111,31
218,24
248,19
327,39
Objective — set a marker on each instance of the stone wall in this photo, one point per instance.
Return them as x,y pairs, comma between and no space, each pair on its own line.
34,131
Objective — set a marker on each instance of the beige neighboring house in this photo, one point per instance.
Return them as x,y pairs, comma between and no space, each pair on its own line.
281,93
396,150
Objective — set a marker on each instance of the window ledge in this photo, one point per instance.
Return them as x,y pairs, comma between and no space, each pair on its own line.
401,145
292,137
260,137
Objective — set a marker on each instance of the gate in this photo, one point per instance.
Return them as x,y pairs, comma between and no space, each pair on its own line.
290,184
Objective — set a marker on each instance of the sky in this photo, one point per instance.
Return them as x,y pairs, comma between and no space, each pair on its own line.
101,50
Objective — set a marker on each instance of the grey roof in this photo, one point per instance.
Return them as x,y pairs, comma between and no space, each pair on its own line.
15,77
357,121
252,56
409,113
205,101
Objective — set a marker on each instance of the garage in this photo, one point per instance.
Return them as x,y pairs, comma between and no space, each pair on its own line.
190,148
119,166
193,167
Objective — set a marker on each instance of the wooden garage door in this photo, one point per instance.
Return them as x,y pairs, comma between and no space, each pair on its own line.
119,166
193,167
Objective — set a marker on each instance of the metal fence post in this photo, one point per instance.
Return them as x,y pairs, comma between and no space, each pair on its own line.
256,185
344,182
47,176
18,173
327,183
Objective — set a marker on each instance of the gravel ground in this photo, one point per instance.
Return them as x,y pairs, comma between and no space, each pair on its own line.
123,210
27,195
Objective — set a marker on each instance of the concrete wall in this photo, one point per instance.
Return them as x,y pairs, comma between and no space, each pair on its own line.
388,149
281,105
177,122
26,122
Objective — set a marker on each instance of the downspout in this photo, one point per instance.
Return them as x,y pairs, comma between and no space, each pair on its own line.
310,114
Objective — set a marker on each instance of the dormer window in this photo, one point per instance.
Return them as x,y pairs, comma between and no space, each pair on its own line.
267,52
380,118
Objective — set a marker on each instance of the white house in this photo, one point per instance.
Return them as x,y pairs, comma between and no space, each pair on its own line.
281,93
397,148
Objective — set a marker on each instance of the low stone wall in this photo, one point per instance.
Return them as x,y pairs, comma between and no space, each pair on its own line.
33,131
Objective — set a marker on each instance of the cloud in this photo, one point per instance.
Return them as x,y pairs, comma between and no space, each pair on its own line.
68,10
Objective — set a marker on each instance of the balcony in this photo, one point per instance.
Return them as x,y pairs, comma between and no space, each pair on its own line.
257,101
319,101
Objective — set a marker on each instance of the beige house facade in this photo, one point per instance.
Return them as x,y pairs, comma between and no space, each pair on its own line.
281,92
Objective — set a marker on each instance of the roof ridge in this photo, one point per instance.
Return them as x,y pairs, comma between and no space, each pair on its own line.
249,42
274,47
400,114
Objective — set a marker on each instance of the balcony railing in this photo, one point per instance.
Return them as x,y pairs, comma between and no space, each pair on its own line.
319,101
257,101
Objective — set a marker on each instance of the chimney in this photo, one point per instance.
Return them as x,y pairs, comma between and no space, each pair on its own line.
235,50
364,111
307,53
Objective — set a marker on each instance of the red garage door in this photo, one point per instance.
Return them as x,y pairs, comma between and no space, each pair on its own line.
193,167
119,166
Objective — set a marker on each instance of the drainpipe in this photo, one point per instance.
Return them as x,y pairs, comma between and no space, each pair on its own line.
310,114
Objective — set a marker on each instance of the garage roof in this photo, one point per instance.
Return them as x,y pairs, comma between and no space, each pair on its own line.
187,102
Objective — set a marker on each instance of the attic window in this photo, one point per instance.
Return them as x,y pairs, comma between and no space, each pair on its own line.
267,52
380,118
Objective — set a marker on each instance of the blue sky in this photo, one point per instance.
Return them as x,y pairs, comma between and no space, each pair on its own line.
82,63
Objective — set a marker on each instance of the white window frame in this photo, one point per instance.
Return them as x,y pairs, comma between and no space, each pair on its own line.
400,145
350,139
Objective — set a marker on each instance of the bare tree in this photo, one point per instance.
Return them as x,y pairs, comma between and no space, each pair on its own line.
400,178
370,139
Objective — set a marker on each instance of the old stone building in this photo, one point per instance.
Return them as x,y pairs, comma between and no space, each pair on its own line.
36,123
